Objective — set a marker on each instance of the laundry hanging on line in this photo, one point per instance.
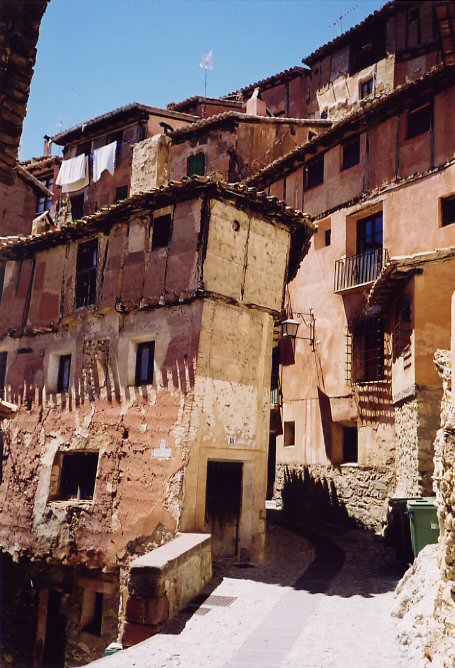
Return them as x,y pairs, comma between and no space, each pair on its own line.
104,158
73,174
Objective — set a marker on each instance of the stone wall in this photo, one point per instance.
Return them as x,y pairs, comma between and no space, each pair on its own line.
162,582
426,594
444,484
349,493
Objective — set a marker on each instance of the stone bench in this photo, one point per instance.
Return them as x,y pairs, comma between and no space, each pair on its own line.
162,582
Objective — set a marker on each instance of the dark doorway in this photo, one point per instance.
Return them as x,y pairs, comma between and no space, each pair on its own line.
369,233
350,445
271,467
55,642
223,502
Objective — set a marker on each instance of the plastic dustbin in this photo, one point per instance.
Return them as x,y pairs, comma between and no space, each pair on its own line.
424,522
113,648
399,530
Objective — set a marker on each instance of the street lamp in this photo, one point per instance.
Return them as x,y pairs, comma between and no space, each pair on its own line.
289,328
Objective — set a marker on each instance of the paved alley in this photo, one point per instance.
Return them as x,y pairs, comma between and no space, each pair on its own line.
321,599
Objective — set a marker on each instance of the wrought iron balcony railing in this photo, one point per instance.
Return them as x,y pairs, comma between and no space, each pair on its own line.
275,392
359,269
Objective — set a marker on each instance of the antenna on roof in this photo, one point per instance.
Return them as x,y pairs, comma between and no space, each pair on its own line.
340,18
59,123
206,63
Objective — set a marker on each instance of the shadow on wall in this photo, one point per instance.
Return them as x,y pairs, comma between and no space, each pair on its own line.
307,498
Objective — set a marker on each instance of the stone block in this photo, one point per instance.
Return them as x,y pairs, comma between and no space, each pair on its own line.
136,633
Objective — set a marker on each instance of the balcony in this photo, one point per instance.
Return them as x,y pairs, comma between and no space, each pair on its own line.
351,272
275,392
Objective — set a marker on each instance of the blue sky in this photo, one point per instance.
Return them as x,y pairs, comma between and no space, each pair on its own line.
96,55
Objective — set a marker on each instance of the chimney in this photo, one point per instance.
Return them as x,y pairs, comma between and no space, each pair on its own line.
47,146
255,106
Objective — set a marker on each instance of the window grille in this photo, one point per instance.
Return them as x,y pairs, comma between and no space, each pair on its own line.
87,263
367,352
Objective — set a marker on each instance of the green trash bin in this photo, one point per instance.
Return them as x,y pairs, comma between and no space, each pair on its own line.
424,522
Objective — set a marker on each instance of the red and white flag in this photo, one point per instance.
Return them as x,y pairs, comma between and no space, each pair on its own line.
206,62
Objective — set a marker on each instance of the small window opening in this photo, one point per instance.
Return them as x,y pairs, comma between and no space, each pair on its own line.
315,172
77,207
419,121
195,164
144,363
78,475
161,232
45,203
3,361
328,236
2,279
447,211
93,612
366,88
121,193
64,368
413,14
401,341
289,433
350,445
84,149
351,153
87,262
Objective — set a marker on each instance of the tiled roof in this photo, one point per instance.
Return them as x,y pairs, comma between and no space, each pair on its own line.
40,162
134,109
399,269
297,156
33,181
177,106
384,11
237,116
285,75
187,188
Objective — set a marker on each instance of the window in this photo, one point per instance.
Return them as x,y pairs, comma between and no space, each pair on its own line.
368,48
369,233
447,212
2,279
351,153
367,362
350,445
77,207
366,88
78,475
45,203
121,193
403,328
195,164
144,363
84,149
161,232
413,14
315,172
92,612
289,433
328,236
64,368
3,361
419,121
87,262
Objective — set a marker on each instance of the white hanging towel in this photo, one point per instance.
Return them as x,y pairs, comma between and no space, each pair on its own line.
104,158
73,174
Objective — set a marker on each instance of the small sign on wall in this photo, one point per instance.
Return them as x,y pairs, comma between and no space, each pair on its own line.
231,440
163,452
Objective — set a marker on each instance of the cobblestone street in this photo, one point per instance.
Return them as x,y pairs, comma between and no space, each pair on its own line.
322,598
